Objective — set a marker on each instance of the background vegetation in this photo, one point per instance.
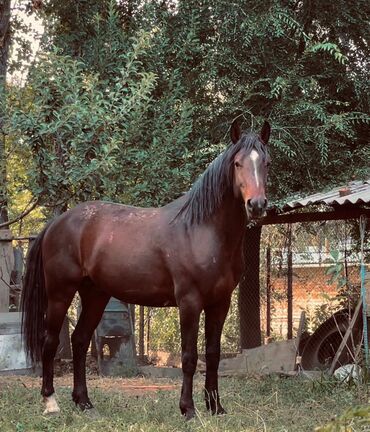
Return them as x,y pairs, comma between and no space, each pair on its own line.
129,100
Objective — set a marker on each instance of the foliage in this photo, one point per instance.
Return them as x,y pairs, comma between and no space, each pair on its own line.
90,137
182,86
348,294
78,130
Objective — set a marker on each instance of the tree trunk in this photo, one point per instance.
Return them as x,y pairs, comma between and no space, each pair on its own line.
4,52
249,291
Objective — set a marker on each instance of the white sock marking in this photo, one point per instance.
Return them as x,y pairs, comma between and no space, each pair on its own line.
51,405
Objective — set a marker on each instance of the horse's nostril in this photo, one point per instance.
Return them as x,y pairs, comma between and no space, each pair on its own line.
249,204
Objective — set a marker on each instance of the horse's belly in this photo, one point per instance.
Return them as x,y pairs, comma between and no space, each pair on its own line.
142,284
142,292
145,298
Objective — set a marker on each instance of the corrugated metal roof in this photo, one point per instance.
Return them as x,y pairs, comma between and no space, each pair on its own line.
355,192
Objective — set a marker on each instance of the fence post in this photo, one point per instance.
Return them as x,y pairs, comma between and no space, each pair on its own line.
249,291
141,333
290,284
268,291
149,311
6,266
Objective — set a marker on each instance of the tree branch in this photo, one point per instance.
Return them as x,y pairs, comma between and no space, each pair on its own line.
21,216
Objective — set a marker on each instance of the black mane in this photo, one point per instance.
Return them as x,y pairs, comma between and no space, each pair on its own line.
207,193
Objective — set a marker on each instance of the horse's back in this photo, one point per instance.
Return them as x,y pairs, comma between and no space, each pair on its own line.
137,254
115,246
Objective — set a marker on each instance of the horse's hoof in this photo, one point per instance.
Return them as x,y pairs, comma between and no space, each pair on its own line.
216,411
51,406
92,413
188,414
219,411
85,406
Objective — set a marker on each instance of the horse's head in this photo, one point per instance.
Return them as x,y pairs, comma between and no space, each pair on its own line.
250,168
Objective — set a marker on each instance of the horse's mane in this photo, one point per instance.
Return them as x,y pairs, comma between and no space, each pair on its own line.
207,193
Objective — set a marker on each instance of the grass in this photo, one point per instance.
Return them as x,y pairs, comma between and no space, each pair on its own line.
266,404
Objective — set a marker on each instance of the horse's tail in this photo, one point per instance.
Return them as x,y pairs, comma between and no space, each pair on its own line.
34,301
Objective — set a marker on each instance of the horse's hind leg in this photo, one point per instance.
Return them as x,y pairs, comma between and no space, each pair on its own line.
93,304
56,312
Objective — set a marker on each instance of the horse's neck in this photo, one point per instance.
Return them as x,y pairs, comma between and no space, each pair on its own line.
230,221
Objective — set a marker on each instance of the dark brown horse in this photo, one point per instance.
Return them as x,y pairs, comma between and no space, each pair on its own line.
186,254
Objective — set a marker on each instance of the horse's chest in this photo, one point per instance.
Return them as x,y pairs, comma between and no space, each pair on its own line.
216,275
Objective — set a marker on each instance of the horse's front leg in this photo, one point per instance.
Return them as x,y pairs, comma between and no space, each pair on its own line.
214,321
190,309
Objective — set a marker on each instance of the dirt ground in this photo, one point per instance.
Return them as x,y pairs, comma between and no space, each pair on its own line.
134,386
64,378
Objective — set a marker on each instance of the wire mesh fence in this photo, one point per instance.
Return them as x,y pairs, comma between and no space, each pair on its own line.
311,267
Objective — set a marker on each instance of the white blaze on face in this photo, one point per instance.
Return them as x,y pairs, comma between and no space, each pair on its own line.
254,158
51,405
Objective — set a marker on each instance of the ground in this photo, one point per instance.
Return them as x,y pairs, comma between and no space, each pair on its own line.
140,404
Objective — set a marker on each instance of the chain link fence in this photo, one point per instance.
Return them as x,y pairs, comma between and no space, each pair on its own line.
308,267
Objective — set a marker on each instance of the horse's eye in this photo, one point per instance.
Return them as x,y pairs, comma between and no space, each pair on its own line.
238,164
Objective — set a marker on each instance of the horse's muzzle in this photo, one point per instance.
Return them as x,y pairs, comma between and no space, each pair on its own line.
256,207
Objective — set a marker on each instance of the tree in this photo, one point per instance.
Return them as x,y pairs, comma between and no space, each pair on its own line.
211,62
4,52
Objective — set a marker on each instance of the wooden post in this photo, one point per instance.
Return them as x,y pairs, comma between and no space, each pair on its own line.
6,267
141,333
290,284
149,310
302,323
367,296
249,291
268,292
345,337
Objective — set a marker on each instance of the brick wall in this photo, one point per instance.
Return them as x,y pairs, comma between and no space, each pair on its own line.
311,289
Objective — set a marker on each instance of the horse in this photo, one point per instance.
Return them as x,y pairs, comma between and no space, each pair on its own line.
186,254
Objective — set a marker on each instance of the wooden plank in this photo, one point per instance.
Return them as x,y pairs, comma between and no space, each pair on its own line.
275,357
302,323
345,337
6,234
12,355
10,323
6,266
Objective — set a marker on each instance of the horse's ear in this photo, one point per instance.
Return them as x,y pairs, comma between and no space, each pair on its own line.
235,131
265,132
